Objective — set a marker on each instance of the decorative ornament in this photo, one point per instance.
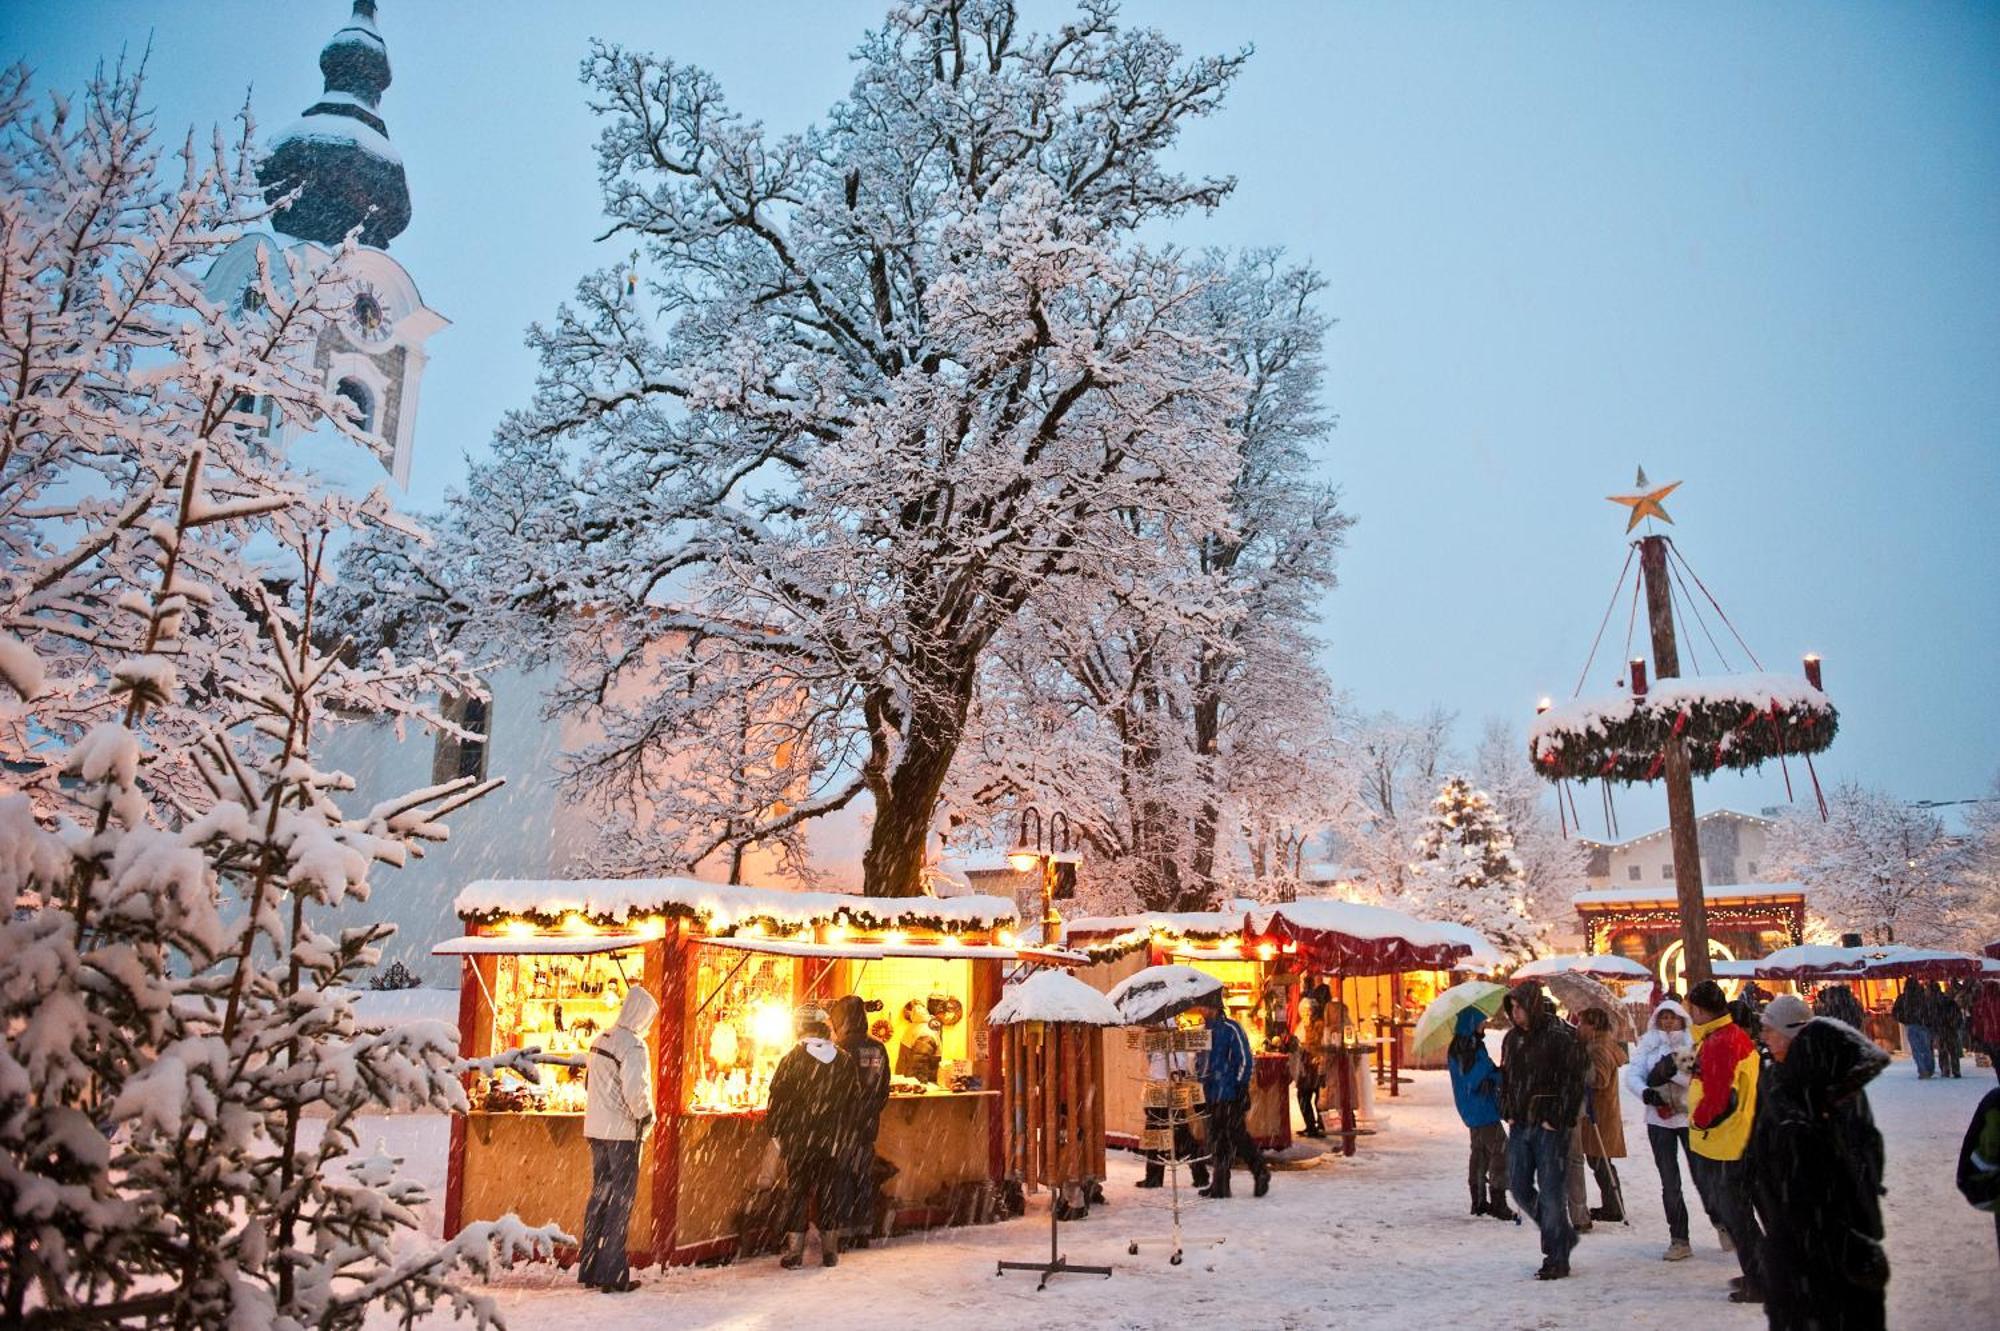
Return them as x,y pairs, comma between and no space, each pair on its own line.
1645,502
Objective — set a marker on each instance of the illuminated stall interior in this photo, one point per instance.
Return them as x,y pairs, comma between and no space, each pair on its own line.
549,964
1643,924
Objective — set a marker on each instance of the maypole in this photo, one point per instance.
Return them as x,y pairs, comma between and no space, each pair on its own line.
1678,728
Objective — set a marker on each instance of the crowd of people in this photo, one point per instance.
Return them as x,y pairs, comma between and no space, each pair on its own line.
1767,1106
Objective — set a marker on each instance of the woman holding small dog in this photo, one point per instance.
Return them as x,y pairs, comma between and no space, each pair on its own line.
1658,1074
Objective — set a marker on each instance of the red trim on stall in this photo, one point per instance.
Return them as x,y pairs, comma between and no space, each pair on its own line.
454,1171
669,1094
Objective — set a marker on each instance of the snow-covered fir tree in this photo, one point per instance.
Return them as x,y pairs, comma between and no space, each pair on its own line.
1466,871
1553,860
183,1075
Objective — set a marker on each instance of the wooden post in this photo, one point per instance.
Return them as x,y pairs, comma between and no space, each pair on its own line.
1686,835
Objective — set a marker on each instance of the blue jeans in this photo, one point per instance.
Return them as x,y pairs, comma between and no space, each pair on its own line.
1920,1049
1669,1144
1537,1169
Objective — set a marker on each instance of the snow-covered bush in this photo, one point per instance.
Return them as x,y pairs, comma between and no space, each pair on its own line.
170,1009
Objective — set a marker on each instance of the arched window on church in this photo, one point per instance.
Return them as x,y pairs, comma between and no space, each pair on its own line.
358,393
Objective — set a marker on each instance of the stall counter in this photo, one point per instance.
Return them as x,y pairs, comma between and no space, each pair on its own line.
538,1166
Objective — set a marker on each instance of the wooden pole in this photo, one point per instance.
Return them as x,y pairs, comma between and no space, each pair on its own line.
1685,834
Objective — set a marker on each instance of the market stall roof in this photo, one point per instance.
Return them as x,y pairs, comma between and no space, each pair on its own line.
1350,939
1053,996
721,908
798,947
1483,956
1663,894
1603,965
1896,962
1188,923
537,945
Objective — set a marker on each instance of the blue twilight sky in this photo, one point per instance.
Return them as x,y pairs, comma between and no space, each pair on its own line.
1755,248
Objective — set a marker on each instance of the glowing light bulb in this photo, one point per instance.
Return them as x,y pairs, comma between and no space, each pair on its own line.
771,1023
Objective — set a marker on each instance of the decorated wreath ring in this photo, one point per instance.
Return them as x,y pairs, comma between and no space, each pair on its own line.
1624,739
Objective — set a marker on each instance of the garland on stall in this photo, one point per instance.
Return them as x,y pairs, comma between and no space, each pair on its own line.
1790,916
757,924
1625,740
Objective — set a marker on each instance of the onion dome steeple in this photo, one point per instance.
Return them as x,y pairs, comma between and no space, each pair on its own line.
337,155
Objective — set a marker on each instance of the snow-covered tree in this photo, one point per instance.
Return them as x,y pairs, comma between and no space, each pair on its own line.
1878,867
1466,871
1182,719
181,1078
1390,767
1554,865
883,384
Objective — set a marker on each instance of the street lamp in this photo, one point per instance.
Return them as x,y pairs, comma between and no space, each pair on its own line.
1050,839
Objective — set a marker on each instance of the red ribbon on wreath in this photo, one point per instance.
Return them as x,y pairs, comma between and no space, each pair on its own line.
1660,758
1778,730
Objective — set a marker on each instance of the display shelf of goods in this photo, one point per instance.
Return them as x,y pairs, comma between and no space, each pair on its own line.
558,1004
1728,723
745,1027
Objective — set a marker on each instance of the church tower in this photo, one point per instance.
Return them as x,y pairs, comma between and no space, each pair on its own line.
331,171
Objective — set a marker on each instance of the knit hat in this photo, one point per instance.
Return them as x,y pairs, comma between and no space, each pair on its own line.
808,1014
1786,1014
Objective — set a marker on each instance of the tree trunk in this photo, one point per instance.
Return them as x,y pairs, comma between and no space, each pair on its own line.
893,864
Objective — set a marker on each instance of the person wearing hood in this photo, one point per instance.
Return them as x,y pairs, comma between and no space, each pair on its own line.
1475,1088
617,1113
1603,1125
1815,1178
815,1094
1979,1159
1658,1074
1541,1093
849,1019
1722,1108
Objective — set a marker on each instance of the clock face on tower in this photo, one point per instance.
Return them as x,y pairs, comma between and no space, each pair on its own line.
367,318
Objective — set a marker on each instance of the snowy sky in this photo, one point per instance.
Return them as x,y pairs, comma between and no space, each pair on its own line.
1754,248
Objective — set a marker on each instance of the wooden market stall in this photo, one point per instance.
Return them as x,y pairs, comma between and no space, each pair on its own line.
548,965
1255,989
1384,965
1745,921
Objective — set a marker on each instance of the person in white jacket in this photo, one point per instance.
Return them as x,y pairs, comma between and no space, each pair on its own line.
617,1113
1658,1073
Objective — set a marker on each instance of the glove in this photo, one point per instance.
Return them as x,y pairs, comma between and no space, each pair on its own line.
1663,1071
1653,1097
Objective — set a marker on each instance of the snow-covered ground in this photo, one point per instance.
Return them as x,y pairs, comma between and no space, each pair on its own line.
1381,1240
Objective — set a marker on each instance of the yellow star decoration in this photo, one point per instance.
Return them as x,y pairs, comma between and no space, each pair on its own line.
1645,503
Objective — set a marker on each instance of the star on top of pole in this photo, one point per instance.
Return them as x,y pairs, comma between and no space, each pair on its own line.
1645,502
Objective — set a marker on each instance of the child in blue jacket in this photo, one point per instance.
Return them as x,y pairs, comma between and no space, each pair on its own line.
1475,1086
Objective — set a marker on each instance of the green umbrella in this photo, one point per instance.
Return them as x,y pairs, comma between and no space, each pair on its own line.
1435,1027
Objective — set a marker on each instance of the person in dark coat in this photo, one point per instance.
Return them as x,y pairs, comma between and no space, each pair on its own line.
849,1019
1912,1011
814,1094
1815,1177
1838,1001
1948,1029
1542,1068
1225,1084
1475,1089
1979,1159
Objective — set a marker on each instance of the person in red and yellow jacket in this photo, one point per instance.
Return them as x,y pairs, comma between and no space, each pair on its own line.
1722,1107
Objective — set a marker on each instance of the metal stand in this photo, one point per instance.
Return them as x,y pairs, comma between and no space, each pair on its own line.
1057,1263
1177,1099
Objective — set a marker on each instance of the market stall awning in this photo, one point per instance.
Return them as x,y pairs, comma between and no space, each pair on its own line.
537,945
1604,966
1349,939
798,947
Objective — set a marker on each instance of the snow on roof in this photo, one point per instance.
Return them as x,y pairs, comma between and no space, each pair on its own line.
1759,819
339,129
1330,915
1594,964
721,907
1664,892
1053,996
1191,923
1484,956
977,861
1325,871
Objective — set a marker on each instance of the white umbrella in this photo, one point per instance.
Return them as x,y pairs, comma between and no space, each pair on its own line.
1159,992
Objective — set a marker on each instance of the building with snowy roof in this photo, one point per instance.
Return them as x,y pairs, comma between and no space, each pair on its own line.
1735,848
